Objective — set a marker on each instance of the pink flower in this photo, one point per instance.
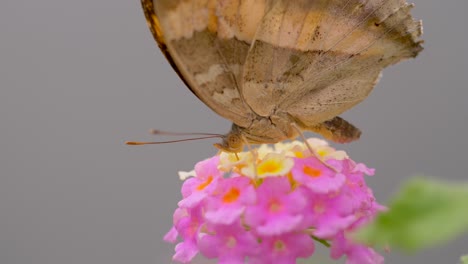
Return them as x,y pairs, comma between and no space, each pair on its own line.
355,196
278,210
187,224
312,173
284,249
196,189
172,235
185,251
323,215
273,201
231,198
356,254
229,243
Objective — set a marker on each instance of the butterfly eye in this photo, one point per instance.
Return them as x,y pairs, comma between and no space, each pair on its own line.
234,140
231,143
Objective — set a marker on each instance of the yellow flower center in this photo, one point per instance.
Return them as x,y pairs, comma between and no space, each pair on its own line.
319,208
193,227
203,185
299,154
322,152
231,242
312,172
269,166
231,195
279,245
275,206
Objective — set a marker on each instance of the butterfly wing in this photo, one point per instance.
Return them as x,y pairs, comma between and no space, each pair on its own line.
324,56
202,39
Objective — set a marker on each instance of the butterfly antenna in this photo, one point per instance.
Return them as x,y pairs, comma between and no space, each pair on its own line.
167,133
138,143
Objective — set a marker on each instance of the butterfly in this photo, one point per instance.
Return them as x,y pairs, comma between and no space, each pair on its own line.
279,67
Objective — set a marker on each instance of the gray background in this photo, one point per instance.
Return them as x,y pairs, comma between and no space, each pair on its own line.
78,78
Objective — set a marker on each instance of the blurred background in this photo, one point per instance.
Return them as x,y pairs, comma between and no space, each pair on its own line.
78,78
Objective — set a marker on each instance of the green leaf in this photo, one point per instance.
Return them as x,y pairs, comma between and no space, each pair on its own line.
424,213
464,259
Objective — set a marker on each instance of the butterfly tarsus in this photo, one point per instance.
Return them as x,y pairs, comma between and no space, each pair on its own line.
312,151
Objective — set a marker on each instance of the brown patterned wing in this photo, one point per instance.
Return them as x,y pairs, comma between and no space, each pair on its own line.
205,42
325,56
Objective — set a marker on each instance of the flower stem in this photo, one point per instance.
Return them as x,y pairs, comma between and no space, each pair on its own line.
321,241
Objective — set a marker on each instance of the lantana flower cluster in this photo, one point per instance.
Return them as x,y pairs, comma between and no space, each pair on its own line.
273,204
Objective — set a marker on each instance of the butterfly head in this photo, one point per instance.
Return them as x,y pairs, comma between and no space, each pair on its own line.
231,142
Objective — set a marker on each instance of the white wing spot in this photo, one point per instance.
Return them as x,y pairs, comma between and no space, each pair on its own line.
213,72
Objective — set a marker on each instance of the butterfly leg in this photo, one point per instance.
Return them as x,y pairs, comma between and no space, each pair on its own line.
254,154
312,150
337,130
